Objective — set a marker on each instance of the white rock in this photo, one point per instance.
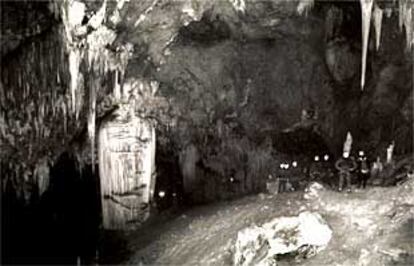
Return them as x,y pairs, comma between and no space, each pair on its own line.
313,191
97,19
257,245
249,242
76,12
314,230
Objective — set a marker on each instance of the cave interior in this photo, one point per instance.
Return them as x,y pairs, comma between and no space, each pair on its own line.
114,112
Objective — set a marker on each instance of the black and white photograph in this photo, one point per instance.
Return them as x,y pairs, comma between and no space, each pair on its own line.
207,132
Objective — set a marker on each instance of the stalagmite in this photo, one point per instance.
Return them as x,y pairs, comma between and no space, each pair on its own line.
41,174
390,150
366,10
126,166
378,13
348,143
188,158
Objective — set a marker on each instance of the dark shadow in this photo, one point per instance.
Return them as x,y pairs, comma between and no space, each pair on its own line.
169,183
61,227
301,141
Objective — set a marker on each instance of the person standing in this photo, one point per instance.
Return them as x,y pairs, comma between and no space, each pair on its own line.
315,169
363,170
345,165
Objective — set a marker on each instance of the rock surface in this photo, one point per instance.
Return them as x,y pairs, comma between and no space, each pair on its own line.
260,245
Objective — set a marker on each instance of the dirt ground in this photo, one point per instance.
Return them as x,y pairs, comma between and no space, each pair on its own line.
370,227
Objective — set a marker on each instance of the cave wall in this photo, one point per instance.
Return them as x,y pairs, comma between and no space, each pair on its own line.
225,89
230,97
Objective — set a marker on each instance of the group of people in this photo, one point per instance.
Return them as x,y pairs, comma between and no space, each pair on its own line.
347,164
321,169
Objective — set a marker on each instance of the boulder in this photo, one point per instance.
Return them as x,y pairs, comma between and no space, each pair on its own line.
260,245
313,191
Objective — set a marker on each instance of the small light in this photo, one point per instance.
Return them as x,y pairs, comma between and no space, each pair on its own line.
316,158
174,194
326,157
287,166
282,166
294,163
161,194
361,153
231,179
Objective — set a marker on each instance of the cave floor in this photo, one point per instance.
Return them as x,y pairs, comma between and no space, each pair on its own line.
370,227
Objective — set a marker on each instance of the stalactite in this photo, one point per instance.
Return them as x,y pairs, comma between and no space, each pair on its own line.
117,87
99,17
65,19
377,15
153,148
401,11
239,5
92,117
408,24
65,116
366,11
405,9
75,58
333,20
304,7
